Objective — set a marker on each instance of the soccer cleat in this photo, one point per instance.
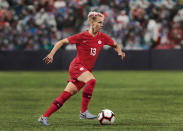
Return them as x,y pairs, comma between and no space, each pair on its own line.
87,115
43,120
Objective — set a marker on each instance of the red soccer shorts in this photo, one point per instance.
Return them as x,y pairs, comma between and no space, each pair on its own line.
75,70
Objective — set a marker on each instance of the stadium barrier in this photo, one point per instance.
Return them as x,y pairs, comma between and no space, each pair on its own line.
107,60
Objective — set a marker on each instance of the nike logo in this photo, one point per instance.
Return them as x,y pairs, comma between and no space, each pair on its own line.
84,41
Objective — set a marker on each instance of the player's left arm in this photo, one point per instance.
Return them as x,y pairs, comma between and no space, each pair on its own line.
118,49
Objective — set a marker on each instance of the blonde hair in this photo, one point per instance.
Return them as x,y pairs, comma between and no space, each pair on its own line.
92,15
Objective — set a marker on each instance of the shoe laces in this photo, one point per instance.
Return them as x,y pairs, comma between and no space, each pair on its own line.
87,113
45,118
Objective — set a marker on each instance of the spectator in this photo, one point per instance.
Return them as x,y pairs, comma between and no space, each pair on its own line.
136,24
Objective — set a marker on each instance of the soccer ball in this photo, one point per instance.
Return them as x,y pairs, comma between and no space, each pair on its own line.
106,117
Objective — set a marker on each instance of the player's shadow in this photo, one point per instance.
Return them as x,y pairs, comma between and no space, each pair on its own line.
81,123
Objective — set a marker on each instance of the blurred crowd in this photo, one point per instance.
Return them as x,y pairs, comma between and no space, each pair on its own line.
135,24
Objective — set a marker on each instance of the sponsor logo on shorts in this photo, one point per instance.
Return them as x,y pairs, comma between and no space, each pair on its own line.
84,41
81,69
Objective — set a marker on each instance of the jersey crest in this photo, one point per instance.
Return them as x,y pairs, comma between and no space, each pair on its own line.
99,42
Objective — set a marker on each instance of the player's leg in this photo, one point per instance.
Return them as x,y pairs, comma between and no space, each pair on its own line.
70,90
85,76
88,78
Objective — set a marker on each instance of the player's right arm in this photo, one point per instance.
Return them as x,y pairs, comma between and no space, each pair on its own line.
49,58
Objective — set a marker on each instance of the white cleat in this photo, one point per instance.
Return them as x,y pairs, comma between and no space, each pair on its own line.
87,115
43,120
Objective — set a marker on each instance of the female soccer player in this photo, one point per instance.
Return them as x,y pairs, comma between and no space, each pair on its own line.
88,44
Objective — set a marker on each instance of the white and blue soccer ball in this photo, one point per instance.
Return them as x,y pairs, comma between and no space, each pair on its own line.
106,117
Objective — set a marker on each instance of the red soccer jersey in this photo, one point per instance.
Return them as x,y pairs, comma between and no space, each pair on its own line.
88,47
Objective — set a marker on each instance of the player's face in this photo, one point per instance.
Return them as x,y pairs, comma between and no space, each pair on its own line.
98,24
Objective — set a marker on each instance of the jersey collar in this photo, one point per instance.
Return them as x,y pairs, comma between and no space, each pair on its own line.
91,35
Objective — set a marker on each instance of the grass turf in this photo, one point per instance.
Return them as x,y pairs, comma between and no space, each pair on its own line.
141,101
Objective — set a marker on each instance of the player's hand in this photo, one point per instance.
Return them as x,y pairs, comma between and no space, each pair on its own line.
48,59
122,54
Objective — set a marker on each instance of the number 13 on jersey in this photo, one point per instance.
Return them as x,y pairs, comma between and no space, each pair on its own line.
93,51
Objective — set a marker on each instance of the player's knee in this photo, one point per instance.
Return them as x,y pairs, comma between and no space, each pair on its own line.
72,91
71,88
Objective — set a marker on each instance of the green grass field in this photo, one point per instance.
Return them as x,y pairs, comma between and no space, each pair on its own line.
141,101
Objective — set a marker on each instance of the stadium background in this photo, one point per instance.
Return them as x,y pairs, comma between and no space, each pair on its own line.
29,27
141,90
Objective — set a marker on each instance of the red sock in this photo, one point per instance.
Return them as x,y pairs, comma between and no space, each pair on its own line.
87,94
57,103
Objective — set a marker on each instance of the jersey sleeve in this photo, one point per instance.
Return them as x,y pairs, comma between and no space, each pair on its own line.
108,40
74,39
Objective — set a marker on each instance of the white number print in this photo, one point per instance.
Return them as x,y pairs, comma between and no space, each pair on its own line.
93,51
